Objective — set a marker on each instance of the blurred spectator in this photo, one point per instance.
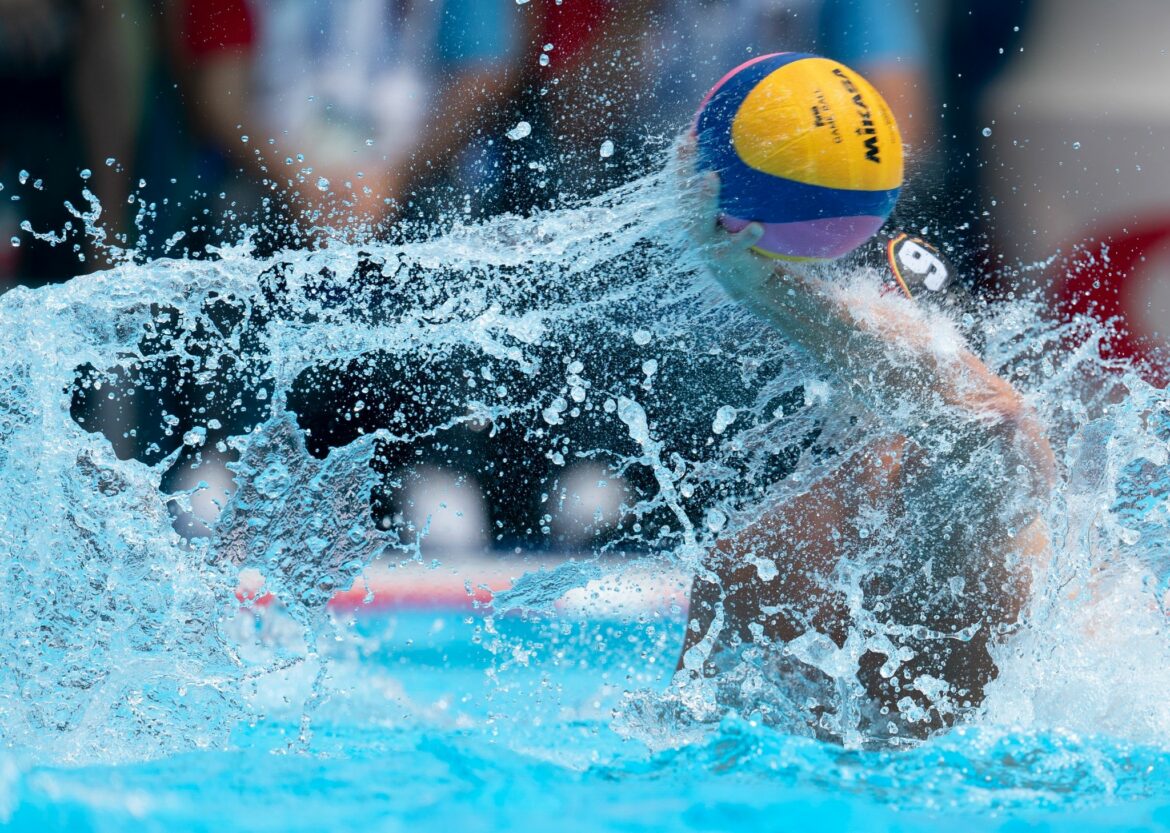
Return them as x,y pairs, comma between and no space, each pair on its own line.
352,104
211,45
71,73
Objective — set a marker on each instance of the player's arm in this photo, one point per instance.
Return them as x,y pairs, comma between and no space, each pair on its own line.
883,355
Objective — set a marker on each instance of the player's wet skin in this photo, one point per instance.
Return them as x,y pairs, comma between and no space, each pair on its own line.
946,511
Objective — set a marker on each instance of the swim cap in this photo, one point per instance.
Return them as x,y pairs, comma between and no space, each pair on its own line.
920,272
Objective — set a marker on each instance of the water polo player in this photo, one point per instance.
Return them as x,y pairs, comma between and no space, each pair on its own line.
869,602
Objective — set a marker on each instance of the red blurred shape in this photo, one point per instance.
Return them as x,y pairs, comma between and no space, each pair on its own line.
1116,282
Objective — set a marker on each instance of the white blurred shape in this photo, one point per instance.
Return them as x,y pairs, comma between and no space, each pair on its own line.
201,493
446,512
591,501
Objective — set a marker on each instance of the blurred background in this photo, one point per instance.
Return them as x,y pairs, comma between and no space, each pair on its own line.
1035,130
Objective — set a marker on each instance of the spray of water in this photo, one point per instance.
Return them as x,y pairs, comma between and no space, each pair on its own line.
586,335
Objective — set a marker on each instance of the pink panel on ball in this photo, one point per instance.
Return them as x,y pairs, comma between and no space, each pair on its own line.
825,239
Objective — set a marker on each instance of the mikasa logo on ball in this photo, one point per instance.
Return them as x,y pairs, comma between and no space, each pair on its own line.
866,129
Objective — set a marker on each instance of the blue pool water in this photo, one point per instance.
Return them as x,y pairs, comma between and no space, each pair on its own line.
135,693
417,735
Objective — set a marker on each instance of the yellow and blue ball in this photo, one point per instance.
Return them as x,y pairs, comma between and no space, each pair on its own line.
806,147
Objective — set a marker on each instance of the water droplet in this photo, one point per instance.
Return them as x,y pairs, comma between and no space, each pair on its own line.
244,139
987,131
86,173
521,130
641,337
724,417
1076,146
322,184
23,177
552,414
369,143
110,162
606,149
544,60
15,242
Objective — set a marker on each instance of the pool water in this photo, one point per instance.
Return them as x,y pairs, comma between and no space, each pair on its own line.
428,726
145,684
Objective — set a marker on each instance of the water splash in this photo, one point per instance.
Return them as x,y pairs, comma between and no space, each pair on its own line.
115,619
585,335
